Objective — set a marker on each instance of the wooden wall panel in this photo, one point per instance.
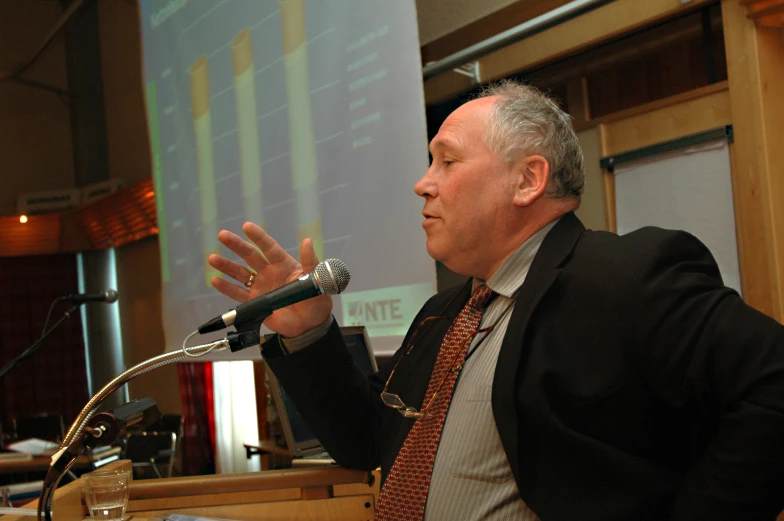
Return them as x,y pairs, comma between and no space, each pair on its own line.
676,68
479,30
670,122
755,62
603,24
766,13
592,208
609,185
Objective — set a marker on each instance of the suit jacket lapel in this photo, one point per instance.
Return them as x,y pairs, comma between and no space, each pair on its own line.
511,358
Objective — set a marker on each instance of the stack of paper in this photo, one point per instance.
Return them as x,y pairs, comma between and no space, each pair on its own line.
34,446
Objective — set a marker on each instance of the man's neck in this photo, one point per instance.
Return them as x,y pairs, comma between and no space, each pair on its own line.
532,224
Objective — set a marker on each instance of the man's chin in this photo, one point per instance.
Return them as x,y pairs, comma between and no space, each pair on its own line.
439,255
433,251
452,263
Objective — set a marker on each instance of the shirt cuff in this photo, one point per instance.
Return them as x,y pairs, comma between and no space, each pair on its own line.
304,340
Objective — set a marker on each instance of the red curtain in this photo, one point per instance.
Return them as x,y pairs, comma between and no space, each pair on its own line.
198,445
54,379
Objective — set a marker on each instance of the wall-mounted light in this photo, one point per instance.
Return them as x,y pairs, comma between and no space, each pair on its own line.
23,218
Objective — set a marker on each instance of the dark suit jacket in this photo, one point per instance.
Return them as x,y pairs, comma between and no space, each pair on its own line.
631,385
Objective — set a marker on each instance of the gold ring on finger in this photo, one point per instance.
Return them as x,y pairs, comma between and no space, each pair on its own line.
249,282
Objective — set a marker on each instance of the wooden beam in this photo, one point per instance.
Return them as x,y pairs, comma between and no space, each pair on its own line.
759,4
592,210
610,21
770,10
224,498
755,66
577,100
609,201
646,108
245,482
667,123
600,25
313,493
608,180
514,14
773,21
646,42
765,13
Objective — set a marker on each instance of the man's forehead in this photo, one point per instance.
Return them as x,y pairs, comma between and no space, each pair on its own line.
464,121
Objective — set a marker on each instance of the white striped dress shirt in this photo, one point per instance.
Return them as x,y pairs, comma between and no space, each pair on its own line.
472,478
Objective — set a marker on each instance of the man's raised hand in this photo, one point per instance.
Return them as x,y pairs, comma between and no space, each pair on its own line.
273,268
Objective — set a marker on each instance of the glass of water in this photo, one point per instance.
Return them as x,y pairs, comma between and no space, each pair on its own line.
106,494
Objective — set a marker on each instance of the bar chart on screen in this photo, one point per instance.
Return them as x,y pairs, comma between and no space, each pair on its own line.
302,116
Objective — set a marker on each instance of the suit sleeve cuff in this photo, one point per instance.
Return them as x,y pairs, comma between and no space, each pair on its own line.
295,343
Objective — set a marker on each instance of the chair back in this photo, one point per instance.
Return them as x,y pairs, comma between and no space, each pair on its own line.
151,451
43,426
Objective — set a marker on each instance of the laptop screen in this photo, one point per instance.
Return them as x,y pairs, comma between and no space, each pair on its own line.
298,435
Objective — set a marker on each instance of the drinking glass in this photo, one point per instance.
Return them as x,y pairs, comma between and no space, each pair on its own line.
106,494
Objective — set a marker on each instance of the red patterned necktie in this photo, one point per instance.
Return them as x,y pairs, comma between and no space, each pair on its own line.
404,493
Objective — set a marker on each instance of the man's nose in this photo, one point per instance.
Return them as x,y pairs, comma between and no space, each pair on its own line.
426,187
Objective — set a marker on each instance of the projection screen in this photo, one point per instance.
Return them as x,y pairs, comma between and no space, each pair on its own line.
306,117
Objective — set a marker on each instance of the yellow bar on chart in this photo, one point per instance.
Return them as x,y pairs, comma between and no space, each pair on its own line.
302,148
247,127
202,129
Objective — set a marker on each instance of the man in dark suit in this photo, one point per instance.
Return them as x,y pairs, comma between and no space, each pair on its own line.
578,375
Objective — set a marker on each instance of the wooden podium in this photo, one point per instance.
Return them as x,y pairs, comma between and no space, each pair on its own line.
314,494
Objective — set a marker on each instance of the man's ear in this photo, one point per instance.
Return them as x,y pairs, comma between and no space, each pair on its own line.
533,175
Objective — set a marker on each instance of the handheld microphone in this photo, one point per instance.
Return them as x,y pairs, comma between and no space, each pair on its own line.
109,296
329,278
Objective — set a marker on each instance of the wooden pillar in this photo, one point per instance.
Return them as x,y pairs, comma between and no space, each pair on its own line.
755,65
577,99
608,181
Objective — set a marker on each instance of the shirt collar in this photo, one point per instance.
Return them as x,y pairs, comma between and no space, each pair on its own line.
511,274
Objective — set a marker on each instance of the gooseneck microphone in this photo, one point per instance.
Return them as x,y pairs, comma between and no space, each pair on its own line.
77,299
329,278
107,296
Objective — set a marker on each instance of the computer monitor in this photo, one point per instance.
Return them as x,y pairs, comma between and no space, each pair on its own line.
300,440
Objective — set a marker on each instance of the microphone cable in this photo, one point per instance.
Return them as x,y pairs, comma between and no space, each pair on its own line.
198,354
49,315
30,350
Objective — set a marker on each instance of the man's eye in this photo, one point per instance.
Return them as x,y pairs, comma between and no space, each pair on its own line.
447,162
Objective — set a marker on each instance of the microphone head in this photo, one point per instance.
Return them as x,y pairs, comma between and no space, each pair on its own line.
111,296
332,276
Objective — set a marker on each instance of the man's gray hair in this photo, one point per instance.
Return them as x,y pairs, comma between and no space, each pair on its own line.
524,121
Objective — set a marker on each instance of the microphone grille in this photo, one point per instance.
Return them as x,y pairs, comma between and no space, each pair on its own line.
333,276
